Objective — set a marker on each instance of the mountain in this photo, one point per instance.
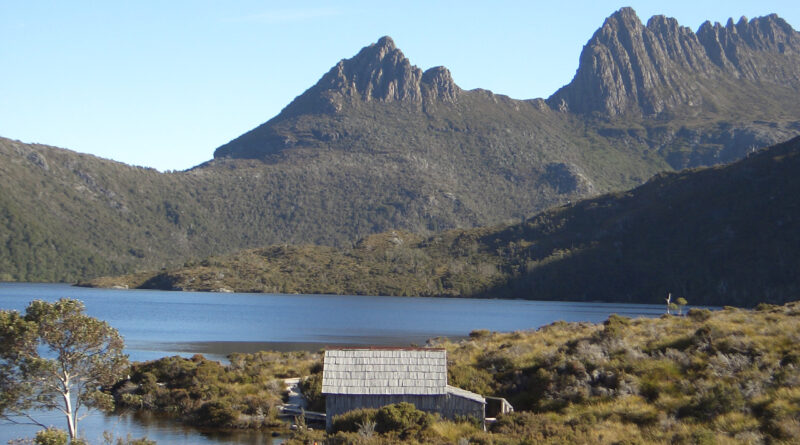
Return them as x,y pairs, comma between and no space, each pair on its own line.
726,235
686,98
379,144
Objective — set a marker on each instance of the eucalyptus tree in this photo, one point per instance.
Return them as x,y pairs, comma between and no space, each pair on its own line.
56,357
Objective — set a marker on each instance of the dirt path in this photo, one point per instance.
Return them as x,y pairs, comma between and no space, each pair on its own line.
296,400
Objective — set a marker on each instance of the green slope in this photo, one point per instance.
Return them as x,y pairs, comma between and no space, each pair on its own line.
721,235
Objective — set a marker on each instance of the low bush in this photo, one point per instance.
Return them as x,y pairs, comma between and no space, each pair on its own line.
402,418
51,436
708,403
218,413
351,421
699,314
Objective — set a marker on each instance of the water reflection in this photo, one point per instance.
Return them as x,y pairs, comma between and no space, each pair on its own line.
162,429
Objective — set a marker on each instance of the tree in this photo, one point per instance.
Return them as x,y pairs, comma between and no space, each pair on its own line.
57,358
681,303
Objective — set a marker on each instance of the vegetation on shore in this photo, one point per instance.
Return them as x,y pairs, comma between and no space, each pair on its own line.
728,376
246,393
716,236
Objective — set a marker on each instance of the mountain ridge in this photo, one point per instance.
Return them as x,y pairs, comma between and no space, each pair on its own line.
659,76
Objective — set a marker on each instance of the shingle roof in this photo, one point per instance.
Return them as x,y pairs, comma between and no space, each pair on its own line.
385,371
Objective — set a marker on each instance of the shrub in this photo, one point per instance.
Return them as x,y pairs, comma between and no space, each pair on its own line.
708,403
51,436
403,418
635,410
351,421
790,358
454,431
480,333
470,378
217,414
311,388
495,362
615,326
735,423
699,314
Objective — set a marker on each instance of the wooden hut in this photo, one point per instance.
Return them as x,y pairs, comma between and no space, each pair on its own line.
375,377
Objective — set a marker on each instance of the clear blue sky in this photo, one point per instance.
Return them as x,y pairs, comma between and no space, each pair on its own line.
163,83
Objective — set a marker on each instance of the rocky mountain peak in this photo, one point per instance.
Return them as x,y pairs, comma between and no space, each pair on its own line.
379,72
623,18
386,43
629,68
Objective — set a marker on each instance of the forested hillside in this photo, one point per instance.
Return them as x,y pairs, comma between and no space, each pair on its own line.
720,235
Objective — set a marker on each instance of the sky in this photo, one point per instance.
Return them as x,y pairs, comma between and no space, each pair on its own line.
163,83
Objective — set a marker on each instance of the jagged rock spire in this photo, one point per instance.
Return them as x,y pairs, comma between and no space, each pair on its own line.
629,68
378,72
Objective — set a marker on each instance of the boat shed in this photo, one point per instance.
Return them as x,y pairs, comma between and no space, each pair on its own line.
355,378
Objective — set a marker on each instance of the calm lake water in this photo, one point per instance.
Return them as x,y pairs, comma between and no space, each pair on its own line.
158,323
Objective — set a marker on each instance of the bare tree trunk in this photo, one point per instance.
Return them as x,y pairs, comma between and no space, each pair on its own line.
72,421
71,425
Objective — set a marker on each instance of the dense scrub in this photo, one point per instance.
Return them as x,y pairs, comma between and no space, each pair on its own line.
729,376
244,394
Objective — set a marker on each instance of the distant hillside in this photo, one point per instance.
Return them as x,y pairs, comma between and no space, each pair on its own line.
379,144
720,236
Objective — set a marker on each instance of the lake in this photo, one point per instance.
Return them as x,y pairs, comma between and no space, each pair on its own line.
155,324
